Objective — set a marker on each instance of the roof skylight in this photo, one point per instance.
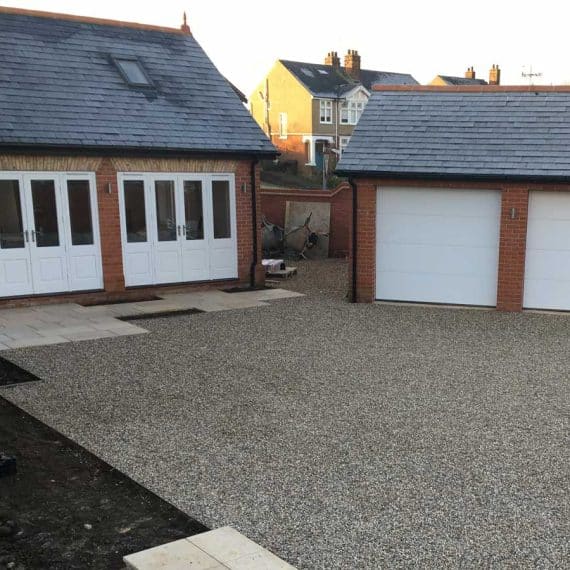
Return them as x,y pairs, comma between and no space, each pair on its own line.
307,72
132,71
323,72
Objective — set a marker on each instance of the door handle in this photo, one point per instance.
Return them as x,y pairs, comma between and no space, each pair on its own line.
33,232
26,236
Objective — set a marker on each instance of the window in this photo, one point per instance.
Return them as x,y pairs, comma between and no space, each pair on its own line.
11,226
283,125
326,111
79,198
193,210
350,112
132,71
135,215
165,210
343,143
44,204
221,207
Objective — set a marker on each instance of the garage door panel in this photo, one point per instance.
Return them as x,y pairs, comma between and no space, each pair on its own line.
443,260
440,202
437,230
547,266
549,205
438,245
430,288
544,234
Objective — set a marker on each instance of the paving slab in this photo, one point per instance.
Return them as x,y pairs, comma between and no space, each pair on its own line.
224,548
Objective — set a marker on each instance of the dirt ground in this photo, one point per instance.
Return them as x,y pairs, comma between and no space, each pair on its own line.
65,509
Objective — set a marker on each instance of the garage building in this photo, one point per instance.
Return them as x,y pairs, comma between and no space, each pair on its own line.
462,196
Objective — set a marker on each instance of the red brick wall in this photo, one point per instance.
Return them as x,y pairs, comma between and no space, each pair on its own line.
109,218
110,227
512,247
273,206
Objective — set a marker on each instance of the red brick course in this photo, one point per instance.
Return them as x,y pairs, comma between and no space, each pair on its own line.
109,219
274,202
513,231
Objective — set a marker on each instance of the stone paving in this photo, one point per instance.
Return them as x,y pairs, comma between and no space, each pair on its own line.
54,324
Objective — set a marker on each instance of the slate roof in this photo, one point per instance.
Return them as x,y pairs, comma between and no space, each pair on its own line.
59,88
452,80
326,81
450,133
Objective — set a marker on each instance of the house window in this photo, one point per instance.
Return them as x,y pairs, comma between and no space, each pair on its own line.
132,71
282,125
350,112
343,143
326,111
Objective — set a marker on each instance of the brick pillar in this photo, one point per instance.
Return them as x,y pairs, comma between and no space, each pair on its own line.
110,227
244,223
366,242
512,249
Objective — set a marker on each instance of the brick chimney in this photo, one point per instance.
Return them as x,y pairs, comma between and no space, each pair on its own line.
332,59
352,64
470,73
495,75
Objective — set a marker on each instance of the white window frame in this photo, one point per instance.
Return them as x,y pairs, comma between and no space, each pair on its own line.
351,111
342,144
283,120
326,111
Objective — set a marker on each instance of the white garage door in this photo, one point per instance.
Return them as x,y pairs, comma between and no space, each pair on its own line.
547,269
437,245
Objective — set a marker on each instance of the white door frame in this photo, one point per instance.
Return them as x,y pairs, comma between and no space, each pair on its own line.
191,268
87,273
16,263
85,266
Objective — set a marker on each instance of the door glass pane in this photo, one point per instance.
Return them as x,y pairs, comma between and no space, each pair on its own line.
45,213
11,227
165,210
221,206
193,209
135,215
79,197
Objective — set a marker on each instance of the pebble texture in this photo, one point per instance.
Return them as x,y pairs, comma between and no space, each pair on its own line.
336,435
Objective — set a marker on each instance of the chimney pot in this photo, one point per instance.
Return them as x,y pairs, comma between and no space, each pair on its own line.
470,73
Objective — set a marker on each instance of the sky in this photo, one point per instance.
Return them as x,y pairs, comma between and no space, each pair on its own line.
425,38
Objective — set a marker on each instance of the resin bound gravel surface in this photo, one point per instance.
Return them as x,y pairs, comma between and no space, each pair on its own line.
336,435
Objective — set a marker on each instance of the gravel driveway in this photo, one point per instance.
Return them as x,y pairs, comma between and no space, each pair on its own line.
336,435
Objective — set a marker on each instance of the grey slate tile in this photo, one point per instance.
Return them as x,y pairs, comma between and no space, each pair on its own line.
482,133
63,89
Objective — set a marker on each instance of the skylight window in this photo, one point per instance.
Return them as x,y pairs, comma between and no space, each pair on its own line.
307,72
132,71
323,72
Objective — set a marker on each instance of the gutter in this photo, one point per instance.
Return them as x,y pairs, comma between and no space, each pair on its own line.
498,178
254,259
352,184
135,152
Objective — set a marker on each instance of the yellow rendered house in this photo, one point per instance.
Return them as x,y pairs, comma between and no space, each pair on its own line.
310,110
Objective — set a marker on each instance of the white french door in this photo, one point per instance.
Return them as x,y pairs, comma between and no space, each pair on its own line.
15,259
178,228
49,238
